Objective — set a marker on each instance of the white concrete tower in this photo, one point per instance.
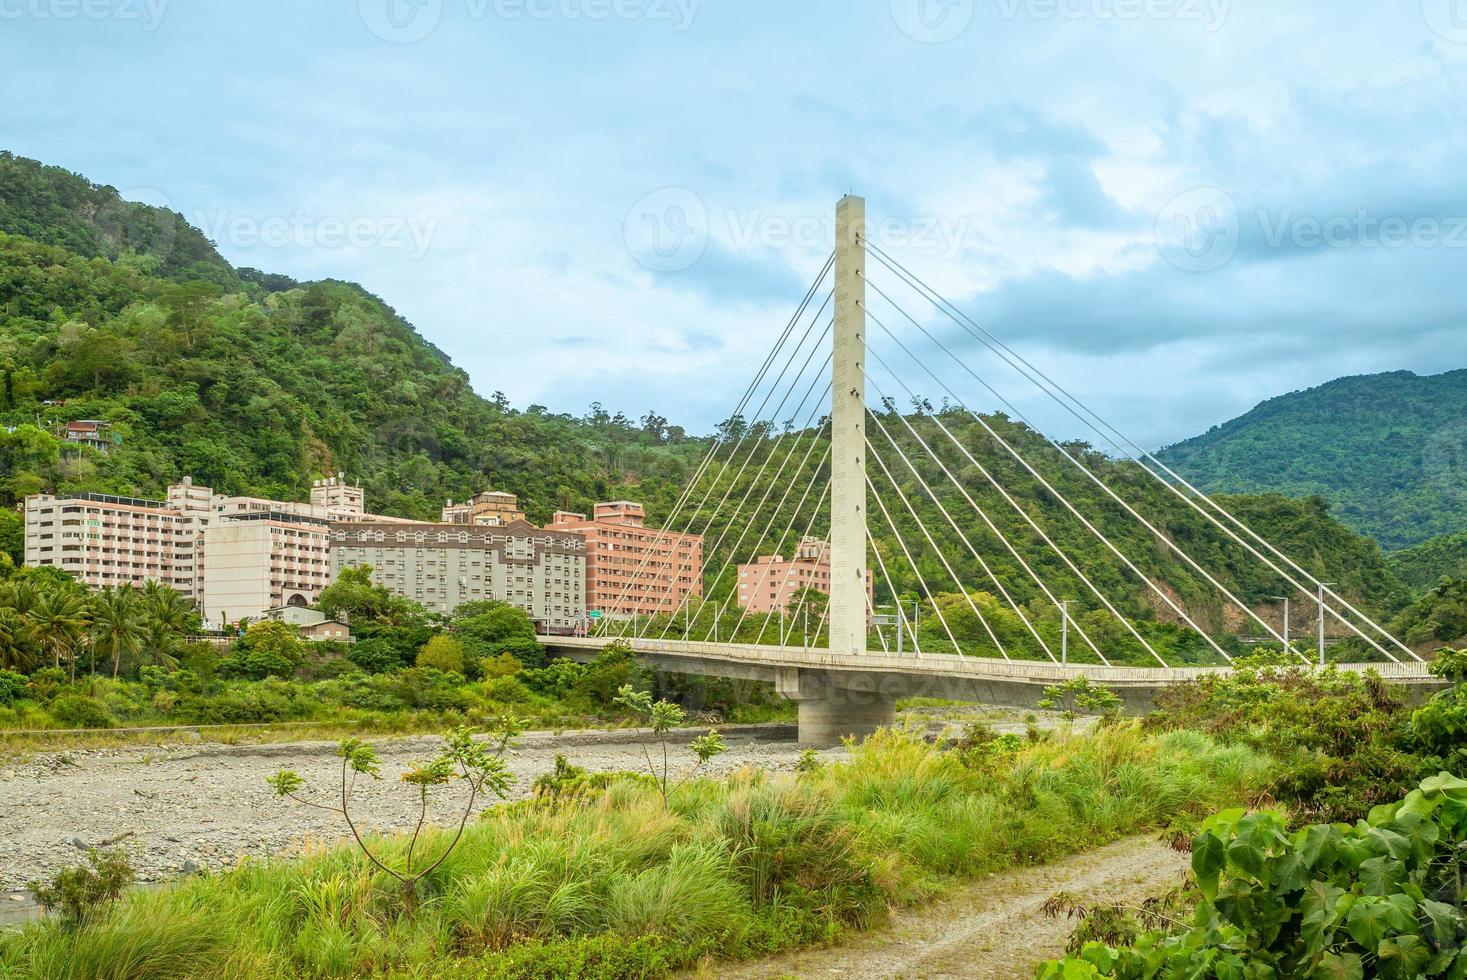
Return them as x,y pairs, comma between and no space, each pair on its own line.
848,433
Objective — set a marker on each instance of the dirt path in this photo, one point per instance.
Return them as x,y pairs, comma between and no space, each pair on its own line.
994,929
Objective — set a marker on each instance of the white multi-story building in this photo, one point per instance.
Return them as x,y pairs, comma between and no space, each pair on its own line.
443,565
235,557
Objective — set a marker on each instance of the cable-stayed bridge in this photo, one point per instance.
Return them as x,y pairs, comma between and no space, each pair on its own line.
970,556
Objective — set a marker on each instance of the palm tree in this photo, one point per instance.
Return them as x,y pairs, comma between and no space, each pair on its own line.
15,638
119,628
57,620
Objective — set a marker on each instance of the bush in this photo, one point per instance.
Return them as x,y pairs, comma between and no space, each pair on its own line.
82,893
442,653
376,656
12,687
76,710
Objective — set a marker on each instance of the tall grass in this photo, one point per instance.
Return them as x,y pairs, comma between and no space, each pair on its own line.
616,884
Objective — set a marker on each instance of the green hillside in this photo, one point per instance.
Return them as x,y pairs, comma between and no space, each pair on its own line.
1420,568
257,384
254,383
1389,451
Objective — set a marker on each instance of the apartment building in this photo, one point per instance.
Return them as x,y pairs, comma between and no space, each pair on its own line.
109,540
541,571
234,557
632,569
771,582
492,508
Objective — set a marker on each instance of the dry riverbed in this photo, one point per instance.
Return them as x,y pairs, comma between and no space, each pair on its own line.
178,809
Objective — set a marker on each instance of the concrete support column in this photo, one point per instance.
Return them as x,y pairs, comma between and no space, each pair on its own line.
848,433
831,710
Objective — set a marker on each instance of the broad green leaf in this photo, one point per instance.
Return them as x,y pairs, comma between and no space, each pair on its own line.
1447,923
1381,876
1209,854
1404,956
1247,856
1321,916
1446,784
1337,967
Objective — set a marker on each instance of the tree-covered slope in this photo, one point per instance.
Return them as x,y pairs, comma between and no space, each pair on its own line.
254,383
1422,567
1389,451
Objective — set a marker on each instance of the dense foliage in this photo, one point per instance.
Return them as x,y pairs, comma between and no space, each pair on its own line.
110,310
1382,898
618,882
1423,567
1385,449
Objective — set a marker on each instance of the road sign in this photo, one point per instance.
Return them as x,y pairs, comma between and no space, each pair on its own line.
594,614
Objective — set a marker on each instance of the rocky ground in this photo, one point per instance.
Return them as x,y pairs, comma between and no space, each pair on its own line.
181,808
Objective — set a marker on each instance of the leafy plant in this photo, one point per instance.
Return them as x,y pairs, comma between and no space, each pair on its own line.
662,717
83,893
480,765
1382,898
1078,694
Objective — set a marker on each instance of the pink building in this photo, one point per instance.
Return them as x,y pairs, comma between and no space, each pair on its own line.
632,569
771,582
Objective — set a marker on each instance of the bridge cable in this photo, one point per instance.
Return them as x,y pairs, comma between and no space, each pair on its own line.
921,579
774,514
921,526
784,535
1018,610
896,597
1095,479
748,429
769,455
992,527
1068,506
871,618
809,527
1142,457
743,401
751,428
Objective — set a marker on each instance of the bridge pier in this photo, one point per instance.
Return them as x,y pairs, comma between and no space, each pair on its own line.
832,708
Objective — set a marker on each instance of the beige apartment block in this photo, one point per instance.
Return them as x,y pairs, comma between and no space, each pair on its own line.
107,540
259,561
492,508
443,565
632,569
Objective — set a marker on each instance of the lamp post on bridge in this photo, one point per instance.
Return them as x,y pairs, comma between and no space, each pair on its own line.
1322,587
1065,632
1285,600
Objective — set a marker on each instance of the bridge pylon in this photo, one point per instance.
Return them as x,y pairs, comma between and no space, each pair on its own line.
830,708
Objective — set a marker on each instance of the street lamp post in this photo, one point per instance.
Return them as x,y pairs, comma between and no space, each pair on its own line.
1285,600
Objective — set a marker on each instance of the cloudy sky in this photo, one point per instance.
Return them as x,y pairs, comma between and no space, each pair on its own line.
1177,208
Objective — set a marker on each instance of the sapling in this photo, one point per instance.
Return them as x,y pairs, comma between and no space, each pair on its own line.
83,893
662,717
480,764
1078,694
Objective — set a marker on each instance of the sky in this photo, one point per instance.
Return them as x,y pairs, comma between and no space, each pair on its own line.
1174,208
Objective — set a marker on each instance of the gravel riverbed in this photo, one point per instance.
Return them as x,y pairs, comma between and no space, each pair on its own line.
181,808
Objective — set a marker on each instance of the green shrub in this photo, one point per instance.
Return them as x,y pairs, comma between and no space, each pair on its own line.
442,653
76,710
376,656
82,893
12,687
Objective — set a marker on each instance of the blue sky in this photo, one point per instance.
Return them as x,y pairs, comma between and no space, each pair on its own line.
1178,208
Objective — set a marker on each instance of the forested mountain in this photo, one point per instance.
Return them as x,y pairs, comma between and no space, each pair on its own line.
1420,568
254,383
257,384
1388,450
